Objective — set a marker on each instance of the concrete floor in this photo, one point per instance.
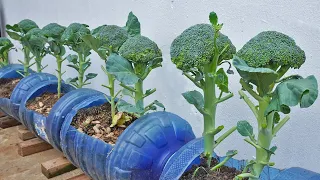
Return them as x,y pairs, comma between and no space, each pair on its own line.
15,167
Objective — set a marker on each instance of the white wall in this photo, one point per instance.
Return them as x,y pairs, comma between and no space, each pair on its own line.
298,142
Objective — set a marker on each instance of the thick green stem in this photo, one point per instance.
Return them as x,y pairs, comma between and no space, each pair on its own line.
27,60
81,70
38,64
210,111
264,139
138,96
59,64
111,80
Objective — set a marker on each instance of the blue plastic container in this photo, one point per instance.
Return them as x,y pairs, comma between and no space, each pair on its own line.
189,155
145,153
34,121
11,106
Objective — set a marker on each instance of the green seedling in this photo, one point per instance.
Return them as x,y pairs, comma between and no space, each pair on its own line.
5,46
262,62
18,32
198,52
53,33
72,37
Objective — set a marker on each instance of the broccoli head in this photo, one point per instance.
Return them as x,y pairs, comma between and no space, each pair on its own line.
111,36
35,41
194,48
26,25
140,49
272,49
53,30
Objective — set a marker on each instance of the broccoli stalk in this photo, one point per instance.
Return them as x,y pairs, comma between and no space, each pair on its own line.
53,33
5,46
106,40
262,62
72,37
198,52
18,32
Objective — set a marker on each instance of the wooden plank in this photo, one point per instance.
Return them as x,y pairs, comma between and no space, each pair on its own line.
56,167
6,122
80,177
2,114
32,146
24,133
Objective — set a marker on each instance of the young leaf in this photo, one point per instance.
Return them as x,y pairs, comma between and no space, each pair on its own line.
72,58
231,153
121,69
261,77
73,66
91,41
156,102
90,76
213,18
133,25
195,98
292,92
73,80
127,107
222,80
14,35
244,128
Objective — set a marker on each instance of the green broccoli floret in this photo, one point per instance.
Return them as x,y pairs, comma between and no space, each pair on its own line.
194,48
272,49
36,39
53,30
111,36
140,49
26,25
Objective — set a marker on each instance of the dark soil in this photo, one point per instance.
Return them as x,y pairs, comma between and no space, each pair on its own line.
7,85
95,121
224,173
44,103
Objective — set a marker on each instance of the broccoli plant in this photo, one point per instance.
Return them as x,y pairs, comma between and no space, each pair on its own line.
137,57
18,32
198,52
35,41
5,46
106,40
262,62
72,37
53,33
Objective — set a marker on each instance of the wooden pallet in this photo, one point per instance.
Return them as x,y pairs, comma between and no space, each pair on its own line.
24,134
6,122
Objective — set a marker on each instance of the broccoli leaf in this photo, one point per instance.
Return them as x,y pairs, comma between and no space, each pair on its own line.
91,76
213,18
194,97
244,128
222,80
261,77
72,58
292,92
121,69
133,25
14,35
156,102
130,108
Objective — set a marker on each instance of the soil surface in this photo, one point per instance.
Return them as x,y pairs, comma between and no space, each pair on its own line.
44,103
204,173
7,85
95,121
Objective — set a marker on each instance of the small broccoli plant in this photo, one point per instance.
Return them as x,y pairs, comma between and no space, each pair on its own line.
72,37
35,41
198,52
53,33
106,40
5,46
18,32
137,57
262,63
